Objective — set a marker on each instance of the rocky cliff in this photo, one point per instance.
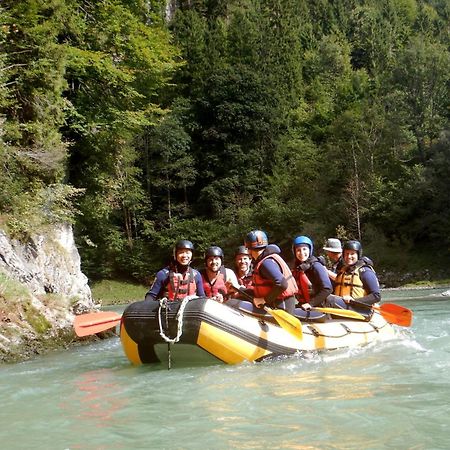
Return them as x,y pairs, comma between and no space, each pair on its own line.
41,288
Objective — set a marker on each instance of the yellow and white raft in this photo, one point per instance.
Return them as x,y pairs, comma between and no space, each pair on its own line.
202,330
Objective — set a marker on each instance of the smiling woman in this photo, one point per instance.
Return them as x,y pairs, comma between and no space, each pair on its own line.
355,280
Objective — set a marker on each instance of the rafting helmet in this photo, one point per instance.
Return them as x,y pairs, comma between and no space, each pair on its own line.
241,250
355,246
303,240
214,251
183,244
256,239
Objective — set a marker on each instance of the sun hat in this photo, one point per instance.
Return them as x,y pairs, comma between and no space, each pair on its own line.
333,245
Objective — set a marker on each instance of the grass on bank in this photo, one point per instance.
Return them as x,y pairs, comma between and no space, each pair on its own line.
111,292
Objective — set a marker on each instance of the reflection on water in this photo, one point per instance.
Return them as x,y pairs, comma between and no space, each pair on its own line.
94,398
385,395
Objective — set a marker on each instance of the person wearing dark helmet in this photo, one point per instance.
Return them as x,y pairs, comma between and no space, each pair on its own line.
178,280
243,266
355,280
314,284
272,281
215,275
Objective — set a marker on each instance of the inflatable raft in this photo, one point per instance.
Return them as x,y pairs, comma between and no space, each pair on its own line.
202,330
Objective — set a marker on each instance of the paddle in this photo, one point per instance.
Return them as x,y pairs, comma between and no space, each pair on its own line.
396,314
286,321
92,323
342,312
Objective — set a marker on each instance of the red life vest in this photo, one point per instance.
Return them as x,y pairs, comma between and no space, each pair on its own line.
217,285
304,286
263,286
246,280
181,286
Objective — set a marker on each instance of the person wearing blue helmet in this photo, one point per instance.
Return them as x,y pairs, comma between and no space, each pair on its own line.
310,274
356,279
272,281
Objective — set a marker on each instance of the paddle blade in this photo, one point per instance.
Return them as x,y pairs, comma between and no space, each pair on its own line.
92,323
287,321
342,313
396,314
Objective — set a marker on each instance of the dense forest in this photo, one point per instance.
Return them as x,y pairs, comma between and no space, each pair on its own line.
145,121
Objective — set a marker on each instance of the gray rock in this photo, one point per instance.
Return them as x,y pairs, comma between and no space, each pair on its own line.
47,263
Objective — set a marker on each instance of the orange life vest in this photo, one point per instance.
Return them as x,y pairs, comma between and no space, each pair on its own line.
181,286
348,280
262,286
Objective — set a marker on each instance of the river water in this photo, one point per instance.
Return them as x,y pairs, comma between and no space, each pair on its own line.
392,395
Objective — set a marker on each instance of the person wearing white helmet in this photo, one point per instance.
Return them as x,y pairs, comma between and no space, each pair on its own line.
333,249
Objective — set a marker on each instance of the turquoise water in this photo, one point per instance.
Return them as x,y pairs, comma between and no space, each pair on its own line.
392,395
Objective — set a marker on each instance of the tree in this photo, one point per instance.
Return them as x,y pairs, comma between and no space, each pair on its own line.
422,77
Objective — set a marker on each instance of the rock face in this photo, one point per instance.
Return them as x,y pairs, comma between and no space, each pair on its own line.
47,267
47,264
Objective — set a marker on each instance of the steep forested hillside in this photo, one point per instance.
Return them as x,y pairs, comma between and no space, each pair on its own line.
143,122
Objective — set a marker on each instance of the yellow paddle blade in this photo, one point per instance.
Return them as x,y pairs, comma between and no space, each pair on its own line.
287,321
342,313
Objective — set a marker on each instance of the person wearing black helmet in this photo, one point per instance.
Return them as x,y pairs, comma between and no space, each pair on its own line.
243,266
178,280
272,280
215,275
356,279
314,284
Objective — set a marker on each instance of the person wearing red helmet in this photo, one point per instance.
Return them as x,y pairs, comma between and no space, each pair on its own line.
215,275
178,280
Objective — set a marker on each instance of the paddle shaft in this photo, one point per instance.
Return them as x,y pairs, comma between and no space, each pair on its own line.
392,313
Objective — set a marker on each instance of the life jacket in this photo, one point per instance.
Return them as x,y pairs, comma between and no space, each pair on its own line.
348,279
246,280
217,285
305,288
263,286
180,285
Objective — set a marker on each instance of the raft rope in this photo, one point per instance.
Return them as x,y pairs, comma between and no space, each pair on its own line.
163,305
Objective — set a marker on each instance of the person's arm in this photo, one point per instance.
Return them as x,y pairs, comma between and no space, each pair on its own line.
231,277
321,285
370,282
199,283
157,286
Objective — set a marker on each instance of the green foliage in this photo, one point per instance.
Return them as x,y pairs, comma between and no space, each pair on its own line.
110,292
317,117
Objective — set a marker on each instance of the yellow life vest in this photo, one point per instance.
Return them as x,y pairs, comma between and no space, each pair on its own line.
348,281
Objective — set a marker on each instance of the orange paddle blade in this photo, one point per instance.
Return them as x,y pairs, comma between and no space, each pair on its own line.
92,323
396,314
